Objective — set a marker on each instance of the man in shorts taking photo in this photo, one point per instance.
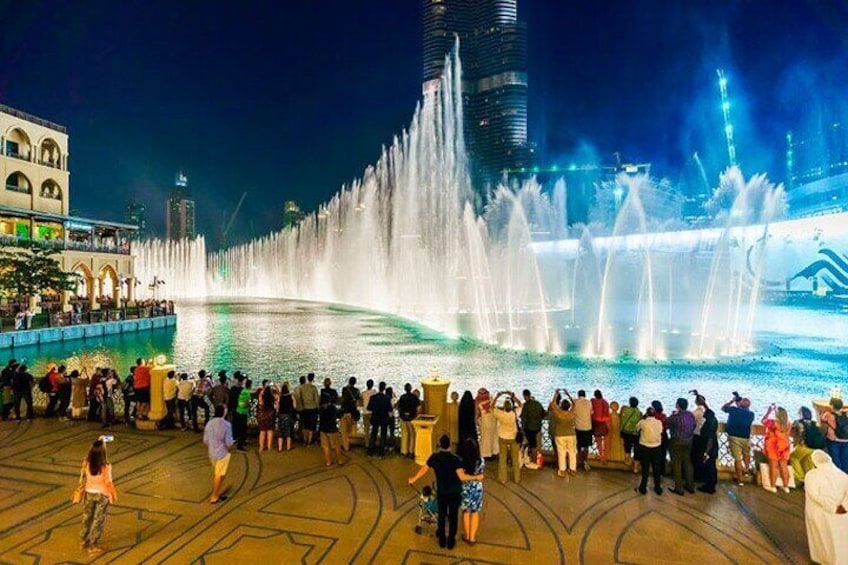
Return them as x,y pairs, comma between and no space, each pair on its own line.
738,428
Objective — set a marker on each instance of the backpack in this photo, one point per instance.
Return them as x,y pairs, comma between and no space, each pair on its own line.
841,428
813,438
44,384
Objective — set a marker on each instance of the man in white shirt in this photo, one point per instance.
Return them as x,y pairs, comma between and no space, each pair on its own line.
583,426
508,442
826,510
650,432
698,444
365,398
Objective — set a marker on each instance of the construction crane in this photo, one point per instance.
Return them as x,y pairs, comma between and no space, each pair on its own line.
229,224
725,109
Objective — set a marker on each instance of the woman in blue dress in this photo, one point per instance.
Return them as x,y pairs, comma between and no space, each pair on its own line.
472,491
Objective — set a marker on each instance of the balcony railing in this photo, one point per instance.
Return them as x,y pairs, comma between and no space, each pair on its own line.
61,245
53,164
16,188
34,119
16,155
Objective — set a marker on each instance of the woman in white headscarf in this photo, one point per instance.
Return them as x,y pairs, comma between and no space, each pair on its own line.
826,511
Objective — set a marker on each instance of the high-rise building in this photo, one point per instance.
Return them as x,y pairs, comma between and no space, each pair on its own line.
179,212
134,215
493,50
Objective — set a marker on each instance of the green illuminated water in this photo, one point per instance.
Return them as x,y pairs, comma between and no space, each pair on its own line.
281,340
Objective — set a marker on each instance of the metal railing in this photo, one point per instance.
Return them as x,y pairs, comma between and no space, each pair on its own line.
16,155
49,163
106,313
34,119
21,189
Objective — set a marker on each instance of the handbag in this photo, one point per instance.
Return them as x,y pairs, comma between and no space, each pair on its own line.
79,491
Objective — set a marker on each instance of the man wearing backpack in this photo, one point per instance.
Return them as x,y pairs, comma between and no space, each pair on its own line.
835,423
807,437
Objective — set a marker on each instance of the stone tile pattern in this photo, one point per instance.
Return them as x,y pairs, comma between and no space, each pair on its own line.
287,507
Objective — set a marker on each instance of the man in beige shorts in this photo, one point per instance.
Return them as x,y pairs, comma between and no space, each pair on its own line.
218,437
328,426
738,429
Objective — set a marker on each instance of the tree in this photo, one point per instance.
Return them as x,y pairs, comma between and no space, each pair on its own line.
30,269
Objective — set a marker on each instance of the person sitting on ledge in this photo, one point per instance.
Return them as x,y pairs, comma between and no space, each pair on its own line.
807,437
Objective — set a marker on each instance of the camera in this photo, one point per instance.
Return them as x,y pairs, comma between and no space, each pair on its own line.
736,396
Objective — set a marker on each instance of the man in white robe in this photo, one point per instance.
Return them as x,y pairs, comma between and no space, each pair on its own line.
826,511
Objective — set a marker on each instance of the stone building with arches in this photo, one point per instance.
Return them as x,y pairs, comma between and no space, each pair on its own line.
35,206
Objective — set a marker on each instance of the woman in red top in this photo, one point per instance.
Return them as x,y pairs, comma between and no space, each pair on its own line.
600,424
777,446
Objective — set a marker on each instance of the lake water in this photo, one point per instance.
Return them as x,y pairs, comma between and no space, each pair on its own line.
802,354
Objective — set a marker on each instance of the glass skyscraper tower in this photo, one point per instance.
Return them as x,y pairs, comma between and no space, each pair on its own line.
493,49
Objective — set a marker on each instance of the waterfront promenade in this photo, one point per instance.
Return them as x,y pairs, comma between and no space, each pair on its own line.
289,507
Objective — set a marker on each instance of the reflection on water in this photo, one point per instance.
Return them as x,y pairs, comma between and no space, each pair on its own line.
284,339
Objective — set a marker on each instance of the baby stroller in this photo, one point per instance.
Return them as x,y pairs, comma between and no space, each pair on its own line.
428,508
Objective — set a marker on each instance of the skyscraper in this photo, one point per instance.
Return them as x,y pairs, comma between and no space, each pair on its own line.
179,211
493,50
134,215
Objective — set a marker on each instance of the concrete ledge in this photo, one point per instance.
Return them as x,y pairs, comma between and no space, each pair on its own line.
10,340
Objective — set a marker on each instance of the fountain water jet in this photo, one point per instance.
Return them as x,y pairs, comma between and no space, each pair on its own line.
405,239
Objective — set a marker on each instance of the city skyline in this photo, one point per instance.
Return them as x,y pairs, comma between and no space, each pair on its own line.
305,100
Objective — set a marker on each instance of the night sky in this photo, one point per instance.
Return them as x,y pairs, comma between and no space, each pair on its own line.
288,100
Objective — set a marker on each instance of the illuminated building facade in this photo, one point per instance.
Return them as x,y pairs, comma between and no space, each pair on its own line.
35,204
179,211
493,50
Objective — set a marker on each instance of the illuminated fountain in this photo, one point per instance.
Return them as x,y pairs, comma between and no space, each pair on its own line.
404,239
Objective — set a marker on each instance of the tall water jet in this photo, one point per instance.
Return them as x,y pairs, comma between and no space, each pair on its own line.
406,239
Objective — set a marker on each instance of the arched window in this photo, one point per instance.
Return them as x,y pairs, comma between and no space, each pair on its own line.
51,189
17,144
85,282
49,153
17,182
108,282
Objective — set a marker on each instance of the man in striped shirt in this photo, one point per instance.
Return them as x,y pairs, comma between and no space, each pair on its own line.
198,398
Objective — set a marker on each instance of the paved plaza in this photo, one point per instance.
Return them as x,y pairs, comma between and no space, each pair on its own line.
289,508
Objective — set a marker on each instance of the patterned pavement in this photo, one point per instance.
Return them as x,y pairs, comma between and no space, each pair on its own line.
287,507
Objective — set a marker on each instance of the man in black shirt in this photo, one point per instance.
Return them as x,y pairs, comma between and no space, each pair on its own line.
408,407
232,399
380,406
22,383
6,387
328,426
350,413
449,477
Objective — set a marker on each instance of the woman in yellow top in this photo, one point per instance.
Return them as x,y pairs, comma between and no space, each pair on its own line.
99,493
